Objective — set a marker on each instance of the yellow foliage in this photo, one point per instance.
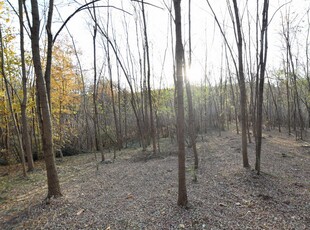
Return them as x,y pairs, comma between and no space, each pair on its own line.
4,12
65,91
1,5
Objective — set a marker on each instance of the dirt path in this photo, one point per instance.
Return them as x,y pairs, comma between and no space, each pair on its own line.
138,192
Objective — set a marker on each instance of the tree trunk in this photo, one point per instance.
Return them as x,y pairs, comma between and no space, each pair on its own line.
276,107
232,93
26,137
117,132
179,53
290,62
119,94
262,64
98,144
241,79
118,138
191,118
48,68
46,132
6,82
297,99
153,128
288,98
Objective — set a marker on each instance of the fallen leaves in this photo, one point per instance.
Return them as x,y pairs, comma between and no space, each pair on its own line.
80,212
142,194
130,196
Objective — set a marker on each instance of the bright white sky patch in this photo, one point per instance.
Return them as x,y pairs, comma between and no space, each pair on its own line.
207,42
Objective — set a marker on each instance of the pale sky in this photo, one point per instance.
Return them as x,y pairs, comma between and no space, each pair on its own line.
206,38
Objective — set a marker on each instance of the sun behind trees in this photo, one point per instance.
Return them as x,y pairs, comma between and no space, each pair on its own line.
126,91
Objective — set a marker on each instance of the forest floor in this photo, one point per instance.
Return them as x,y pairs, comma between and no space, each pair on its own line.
139,191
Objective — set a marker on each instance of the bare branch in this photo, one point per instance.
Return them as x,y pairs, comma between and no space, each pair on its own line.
224,36
13,8
169,9
146,3
114,7
68,19
84,7
277,11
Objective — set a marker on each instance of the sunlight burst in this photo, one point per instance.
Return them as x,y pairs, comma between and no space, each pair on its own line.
195,74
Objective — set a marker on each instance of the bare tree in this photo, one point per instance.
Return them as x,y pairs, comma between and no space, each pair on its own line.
98,143
148,76
291,71
46,130
116,120
273,97
261,73
234,14
179,54
232,91
191,118
241,82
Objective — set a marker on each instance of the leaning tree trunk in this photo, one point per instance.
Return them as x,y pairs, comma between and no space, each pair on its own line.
46,128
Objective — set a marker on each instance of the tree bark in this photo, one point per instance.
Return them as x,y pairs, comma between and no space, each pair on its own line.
17,131
276,107
26,137
262,64
290,62
242,87
98,143
46,129
116,123
48,68
191,118
179,53
148,75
